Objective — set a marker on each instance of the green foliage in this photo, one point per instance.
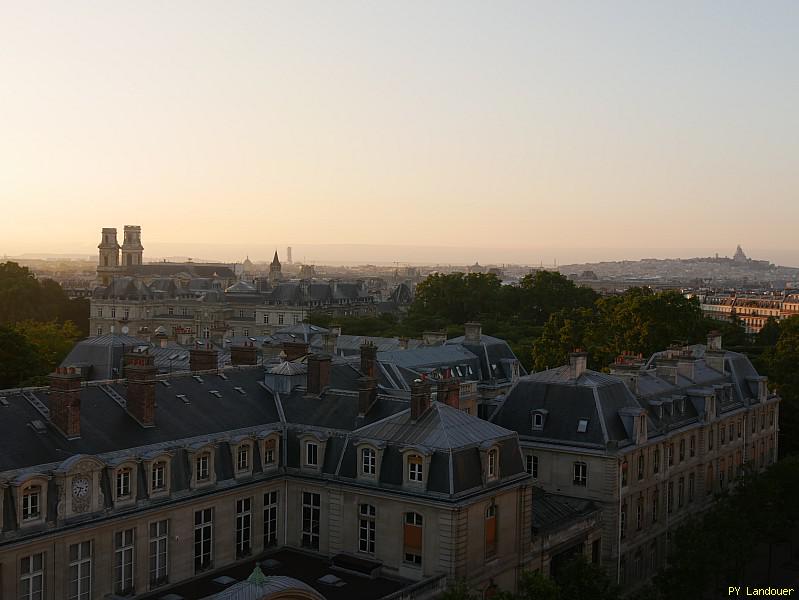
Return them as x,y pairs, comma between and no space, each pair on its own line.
18,359
459,590
51,341
535,586
782,363
582,580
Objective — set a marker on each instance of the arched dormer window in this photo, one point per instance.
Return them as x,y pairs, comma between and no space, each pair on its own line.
203,467
123,482
415,468
539,418
492,469
270,449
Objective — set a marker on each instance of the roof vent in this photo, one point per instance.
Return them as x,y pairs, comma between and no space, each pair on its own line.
215,393
165,383
223,376
184,398
3,401
197,378
38,426
240,390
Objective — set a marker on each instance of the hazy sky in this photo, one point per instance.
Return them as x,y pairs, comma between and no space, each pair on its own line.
494,124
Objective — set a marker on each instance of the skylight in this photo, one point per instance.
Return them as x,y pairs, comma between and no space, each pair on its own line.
582,425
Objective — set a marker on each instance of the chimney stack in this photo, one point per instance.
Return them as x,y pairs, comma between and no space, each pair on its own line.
369,360
140,371
203,357
450,392
295,350
367,394
420,398
318,373
472,333
244,354
434,338
64,402
578,363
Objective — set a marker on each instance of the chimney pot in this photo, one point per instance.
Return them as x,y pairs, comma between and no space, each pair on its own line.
420,398
64,402
473,332
578,363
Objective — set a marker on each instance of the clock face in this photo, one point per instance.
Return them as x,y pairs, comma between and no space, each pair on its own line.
80,487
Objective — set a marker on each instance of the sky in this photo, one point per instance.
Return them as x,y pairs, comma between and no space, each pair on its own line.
593,129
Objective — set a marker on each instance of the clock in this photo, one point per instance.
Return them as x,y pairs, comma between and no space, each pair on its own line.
80,487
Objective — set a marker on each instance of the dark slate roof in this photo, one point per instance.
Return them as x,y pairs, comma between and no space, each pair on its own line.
217,271
106,426
551,511
494,354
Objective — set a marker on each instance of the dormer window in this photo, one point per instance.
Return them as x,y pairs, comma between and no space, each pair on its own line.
492,464
539,418
368,461
158,476
202,467
312,454
31,503
269,452
123,483
415,468
243,457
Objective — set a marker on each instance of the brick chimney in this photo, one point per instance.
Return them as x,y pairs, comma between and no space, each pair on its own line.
578,363
244,354
203,357
449,392
64,402
369,360
140,371
295,350
367,394
318,373
420,398
472,333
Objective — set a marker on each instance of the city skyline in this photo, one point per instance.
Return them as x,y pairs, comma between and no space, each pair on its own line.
630,127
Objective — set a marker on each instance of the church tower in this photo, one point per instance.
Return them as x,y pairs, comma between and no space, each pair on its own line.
109,255
275,273
131,246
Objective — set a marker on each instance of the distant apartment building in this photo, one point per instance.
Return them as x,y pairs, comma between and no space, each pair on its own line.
651,443
753,310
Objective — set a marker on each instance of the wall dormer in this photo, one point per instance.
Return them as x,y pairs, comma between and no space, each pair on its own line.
158,473
31,499
489,458
79,477
369,457
270,450
416,467
123,476
202,464
243,451
539,419
312,450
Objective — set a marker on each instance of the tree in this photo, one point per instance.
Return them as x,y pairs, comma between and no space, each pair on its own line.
18,359
459,590
50,341
783,363
581,580
535,586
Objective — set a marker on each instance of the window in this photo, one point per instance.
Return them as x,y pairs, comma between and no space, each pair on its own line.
709,480
639,514
623,520
368,461
159,552
641,466
100,311
492,464
246,332
771,417
692,446
113,313
722,435
740,428
580,474
721,474
170,311
241,314
656,459
311,454
682,449
691,486
710,439
624,469
280,318
415,472
243,527
201,465
266,319
310,520
762,419
203,539
184,311
270,519
366,528
99,331
158,476
681,492
670,451
582,425
538,421
126,314
412,539
80,571
655,505
31,577
243,457
754,422
670,497
123,483
31,503
491,531
269,452
532,465
123,561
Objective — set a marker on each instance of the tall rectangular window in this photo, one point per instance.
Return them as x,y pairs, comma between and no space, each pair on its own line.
243,457
532,465
243,527
415,470
159,553
270,519
311,454
311,503
31,577
491,531
368,461
123,561
691,486
681,492
366,528
123,483
158,476
412,539
80,571
203,539
580,474
269,452
202,467
31,503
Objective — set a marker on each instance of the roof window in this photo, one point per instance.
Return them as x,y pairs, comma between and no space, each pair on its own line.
582,425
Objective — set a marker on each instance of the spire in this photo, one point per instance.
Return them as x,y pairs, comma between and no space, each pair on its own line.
275,260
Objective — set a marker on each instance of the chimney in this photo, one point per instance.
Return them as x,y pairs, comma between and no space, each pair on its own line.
714,340
685,367
64,401
295,350
369,360
140,371
472,333
420,398
578,362
318,373
203,357
450,392
367,394
244,354
667,369
403,343
330,342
